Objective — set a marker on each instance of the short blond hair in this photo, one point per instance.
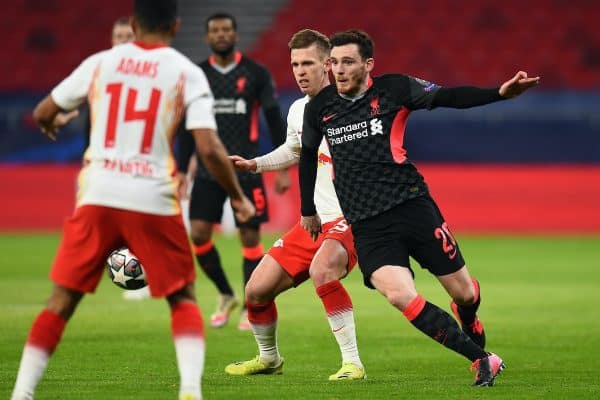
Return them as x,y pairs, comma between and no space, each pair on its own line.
307,37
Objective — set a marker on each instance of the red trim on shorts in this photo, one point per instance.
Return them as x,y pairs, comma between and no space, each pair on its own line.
415,307
335,298
46,331
262,314
186,320
253,253
202,249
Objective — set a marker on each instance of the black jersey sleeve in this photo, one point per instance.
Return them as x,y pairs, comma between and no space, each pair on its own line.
307,168
307,174
185,147
271,109
423,94
465,97
420,93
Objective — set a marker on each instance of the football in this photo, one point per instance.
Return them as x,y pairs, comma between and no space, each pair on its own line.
125,270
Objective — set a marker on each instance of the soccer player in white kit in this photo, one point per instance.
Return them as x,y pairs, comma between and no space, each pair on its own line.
296,255
127,186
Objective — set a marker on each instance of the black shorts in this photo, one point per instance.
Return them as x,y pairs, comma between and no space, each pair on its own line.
414,228
208,197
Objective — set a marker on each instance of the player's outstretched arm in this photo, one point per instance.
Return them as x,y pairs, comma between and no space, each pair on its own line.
214,156
471,96
517,85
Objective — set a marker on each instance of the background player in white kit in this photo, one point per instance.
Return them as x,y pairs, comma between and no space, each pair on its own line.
296,255
127,188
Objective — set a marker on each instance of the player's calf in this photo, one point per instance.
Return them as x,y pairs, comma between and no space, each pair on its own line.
467,317
474,329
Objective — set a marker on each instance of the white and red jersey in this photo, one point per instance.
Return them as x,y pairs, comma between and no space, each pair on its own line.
326,199
137,95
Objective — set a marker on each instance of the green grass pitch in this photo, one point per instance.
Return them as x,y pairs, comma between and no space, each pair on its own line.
541,298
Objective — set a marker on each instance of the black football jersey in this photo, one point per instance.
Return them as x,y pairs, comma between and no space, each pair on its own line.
366,140
239,93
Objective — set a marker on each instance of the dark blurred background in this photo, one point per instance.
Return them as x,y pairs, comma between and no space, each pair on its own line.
554,127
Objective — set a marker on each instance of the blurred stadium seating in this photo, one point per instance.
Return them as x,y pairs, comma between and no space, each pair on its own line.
448,42
47,38
451,42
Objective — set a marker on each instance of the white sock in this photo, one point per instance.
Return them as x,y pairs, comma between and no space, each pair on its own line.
266,338
190,362
33,364
342,326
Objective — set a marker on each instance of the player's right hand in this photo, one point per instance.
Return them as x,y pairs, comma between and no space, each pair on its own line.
243,209
241,164
517,85
182,186
312,224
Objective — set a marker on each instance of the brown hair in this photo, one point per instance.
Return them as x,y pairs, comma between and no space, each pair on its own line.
307,37
354,36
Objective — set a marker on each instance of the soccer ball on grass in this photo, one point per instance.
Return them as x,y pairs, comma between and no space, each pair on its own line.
125,270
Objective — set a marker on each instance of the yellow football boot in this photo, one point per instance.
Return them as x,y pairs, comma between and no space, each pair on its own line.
254,367
348,372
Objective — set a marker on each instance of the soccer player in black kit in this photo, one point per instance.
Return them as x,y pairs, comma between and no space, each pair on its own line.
385,198
240,88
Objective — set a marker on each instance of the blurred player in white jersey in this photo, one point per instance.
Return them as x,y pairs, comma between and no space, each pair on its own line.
296,255
127,187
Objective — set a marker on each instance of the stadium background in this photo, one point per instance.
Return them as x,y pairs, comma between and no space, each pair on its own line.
528,165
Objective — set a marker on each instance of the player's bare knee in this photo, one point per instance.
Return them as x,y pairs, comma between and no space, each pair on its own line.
200,232
321,274
200,237
186,293
249,237
399,298
466,296
63,301
256,293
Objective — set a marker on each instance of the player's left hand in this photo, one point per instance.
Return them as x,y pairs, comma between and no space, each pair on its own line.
517,85
243,209
282,181
60,120
312,224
